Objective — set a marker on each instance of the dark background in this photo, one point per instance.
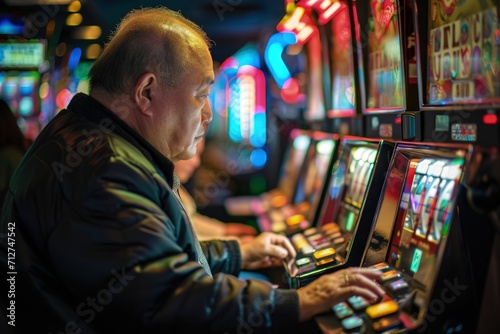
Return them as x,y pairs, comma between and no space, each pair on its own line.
229,23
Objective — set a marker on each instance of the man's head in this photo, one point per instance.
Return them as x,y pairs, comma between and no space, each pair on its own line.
155,73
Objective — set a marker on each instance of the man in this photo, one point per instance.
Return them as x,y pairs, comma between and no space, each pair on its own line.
102,243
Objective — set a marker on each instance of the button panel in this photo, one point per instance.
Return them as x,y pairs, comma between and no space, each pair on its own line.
358,315
320,246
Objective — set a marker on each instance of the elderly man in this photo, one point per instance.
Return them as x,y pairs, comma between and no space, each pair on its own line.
102,243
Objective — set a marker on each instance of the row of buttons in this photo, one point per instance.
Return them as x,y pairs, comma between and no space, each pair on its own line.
320,243
357,312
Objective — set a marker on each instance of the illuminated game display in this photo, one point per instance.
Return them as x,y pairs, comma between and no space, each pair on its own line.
458,57
342,67
415,224
20,78
357,177
312,179
341,231
463,52
385,89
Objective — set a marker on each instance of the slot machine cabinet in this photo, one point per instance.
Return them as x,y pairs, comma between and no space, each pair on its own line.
338,238
310,188
335,26
20,78
383,77
429,272
458,60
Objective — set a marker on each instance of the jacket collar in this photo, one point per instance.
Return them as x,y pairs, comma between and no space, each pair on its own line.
94,111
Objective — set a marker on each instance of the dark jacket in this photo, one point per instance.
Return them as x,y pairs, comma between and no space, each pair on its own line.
103,245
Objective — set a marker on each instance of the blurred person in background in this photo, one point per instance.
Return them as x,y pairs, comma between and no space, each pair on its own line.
12,147
205,227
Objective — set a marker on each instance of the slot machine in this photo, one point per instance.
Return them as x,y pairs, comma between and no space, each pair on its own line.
295,152
338,235
382,72
344,104
331,61
458,58
301,211
436,231
418,243
19,67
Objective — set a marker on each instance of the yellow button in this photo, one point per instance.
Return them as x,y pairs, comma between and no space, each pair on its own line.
295,220
324,252
382,309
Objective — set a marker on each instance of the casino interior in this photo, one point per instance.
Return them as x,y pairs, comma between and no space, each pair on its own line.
365,131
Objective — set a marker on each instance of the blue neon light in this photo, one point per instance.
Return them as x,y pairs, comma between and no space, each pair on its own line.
273,56
248,55
258,136
74,58
258,158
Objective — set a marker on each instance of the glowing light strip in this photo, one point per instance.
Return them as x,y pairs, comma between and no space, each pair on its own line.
273,56
253,105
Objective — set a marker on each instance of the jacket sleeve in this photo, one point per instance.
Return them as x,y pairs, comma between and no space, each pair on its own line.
223,256
116,252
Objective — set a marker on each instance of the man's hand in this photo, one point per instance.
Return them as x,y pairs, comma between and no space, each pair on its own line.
238,229
328,290
266,250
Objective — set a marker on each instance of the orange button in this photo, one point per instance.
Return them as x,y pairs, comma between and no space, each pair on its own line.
380,266
389,275
331,226
278,201
324,253
382,309
324,261
338,241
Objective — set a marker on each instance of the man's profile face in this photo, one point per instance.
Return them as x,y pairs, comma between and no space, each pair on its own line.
189,111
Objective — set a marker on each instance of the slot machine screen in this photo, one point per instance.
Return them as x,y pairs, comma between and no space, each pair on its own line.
293,160
342,68
463,53
385,90
312,178
414,221
351,176
337,237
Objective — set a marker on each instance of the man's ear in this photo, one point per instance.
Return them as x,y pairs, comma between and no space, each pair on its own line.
143,92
